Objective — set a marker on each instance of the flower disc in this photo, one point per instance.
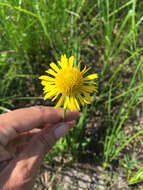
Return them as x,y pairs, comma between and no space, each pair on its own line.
68,81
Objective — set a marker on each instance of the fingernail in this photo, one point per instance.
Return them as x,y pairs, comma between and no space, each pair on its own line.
61,130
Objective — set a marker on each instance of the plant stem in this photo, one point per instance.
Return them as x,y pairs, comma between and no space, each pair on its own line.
64,114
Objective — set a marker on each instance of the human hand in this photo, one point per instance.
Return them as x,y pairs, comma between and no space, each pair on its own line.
26,135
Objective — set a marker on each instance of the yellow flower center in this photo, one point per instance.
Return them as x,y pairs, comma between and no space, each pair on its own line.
68,81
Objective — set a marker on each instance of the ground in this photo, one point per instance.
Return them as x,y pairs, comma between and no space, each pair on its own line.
81,177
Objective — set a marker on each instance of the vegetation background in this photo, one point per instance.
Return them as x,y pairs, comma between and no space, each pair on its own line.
104,34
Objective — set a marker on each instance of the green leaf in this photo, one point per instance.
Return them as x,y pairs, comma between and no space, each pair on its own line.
137,177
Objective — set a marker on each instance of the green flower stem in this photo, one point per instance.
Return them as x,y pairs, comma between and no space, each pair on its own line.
67,138
64,114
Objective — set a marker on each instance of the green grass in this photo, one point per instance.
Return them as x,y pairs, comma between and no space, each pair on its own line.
107,35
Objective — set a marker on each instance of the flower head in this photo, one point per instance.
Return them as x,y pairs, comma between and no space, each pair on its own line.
66,81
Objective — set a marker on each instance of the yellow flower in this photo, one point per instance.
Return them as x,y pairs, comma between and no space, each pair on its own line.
67,82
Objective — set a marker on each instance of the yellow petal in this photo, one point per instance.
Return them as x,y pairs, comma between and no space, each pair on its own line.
87,102
59,103
44,82
49,88
71,61
81,99
72,103
55,97
88,88
47,78
71,106
49,95
66,102
64,61
54,67
47,83
51,72
59,63
85,70
76,103
87,96
90,77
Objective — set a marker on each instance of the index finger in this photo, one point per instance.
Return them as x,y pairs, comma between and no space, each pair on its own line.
25,119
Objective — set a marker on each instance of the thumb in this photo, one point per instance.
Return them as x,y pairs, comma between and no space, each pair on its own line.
47,138
42,143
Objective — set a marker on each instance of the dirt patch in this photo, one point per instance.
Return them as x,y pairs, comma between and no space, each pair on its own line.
81,177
